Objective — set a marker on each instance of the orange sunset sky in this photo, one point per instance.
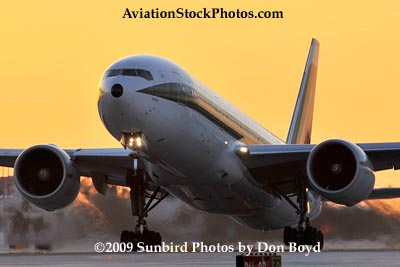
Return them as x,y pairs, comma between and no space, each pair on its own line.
53,54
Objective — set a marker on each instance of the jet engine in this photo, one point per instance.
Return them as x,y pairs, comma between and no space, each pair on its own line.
340,171
45,175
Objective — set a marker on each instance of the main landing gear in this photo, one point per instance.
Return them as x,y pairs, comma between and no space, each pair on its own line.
304,234
138,195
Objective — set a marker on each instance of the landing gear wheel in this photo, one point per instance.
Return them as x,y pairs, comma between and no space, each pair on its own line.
310,234
156,238
149,238
125,237
289,235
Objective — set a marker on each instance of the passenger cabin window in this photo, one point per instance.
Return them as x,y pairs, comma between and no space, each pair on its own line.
145,74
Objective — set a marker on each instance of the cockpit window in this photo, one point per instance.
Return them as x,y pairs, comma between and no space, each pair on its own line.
129,72
112,73
145,74
141,73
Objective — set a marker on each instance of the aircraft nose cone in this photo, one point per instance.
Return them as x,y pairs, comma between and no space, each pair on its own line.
117,90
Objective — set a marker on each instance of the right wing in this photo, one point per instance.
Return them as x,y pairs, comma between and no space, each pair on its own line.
110,164
9,156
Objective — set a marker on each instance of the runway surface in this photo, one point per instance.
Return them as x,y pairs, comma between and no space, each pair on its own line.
326,259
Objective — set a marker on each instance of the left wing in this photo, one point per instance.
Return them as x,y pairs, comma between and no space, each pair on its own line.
385,193
282,165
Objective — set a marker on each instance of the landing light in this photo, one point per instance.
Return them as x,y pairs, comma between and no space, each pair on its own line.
132,140
243,150
138,141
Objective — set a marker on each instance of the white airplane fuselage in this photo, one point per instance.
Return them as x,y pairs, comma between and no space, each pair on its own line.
189,138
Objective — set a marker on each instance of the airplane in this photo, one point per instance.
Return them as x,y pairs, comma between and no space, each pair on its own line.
180,138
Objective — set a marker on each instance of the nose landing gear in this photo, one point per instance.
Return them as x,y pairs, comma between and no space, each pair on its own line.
138,194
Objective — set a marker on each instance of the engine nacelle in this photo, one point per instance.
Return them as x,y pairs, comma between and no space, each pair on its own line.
341,172
45,175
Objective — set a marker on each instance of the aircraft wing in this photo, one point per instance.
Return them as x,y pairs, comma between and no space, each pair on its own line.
281,165
8,157
384,193
109,163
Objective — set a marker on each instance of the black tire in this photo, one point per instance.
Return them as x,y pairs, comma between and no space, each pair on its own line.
144,237
158,239
299,237
151,238
310,236
288,235
155,238
124,237
147,237
134,239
